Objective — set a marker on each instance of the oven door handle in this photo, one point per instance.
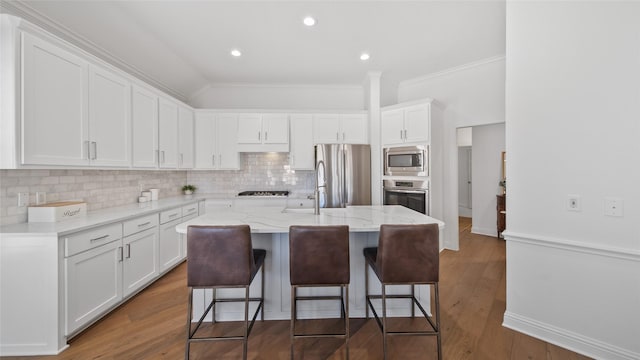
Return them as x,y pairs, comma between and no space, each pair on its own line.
407,191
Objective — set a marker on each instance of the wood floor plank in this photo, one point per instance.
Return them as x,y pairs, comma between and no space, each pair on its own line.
472,295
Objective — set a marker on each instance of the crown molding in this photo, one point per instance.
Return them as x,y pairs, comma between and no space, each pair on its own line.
452,70
24,11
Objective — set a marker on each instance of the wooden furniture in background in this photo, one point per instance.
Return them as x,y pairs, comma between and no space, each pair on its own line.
501,209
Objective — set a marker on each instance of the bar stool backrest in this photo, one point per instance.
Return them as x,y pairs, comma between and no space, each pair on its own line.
219,255
408,253
323,251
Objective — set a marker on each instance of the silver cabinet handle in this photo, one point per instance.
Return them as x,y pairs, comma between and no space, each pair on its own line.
173,215
128,250
266,136
99,238
192,209
120,255
343,137
144,224
220,160
157,157
88,145
162,152
259,135
405,134
401,135
181,159
213,159
95,150
337,136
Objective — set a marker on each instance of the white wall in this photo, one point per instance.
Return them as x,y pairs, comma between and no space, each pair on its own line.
488,144
311,97
469,95
573,109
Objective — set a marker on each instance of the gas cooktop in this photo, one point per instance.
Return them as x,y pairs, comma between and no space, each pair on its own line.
264,193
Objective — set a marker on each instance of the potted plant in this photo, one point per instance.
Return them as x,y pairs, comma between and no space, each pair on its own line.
188,189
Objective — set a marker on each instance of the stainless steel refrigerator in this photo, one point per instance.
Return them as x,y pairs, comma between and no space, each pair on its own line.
343,174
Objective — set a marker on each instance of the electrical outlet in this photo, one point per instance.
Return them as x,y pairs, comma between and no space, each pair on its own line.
23,199
574,203
41,197
613,206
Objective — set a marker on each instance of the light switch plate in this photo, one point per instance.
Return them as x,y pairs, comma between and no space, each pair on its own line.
23,199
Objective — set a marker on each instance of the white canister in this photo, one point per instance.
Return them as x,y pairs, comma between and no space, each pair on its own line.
143,199
146,194
154,194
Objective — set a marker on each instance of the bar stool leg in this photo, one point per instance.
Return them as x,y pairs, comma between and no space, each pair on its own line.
346,320
384,321
213,308
246,323
366,290
413,296
293,319
439,335
189,318
262,295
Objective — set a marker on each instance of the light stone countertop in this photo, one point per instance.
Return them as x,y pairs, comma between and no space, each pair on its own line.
278,220
99,217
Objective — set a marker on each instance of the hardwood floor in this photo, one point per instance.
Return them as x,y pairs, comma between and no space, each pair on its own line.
472,297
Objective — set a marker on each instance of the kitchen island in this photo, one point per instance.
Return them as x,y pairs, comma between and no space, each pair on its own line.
269,231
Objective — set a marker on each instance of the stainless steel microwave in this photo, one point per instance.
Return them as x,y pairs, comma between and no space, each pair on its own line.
407,161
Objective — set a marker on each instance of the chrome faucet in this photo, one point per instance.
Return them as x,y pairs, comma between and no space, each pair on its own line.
316,192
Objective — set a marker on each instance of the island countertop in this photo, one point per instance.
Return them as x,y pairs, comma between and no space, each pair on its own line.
275,220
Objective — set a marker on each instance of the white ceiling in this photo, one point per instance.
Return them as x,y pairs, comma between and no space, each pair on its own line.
184,45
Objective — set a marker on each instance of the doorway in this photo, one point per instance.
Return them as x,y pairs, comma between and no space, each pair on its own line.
465,188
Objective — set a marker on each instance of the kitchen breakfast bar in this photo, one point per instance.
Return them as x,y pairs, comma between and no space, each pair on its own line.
269,231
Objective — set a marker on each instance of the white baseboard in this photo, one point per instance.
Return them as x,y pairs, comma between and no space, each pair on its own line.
465,211
484,231
566,339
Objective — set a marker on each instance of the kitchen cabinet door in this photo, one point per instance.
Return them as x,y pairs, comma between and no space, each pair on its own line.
109,119
205,142
94,284
54,118
185,138
144,110
227,145
417,124
354,128
326,129
168,133
140,264
249,129
170,245
301,156
275,128
392,127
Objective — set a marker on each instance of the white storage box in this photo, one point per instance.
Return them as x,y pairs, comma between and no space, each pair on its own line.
58,211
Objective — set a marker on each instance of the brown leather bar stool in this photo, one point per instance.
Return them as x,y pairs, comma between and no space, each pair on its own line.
406,255
222,257
319,257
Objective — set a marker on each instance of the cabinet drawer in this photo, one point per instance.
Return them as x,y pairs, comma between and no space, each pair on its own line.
85,240
140,224
189,210
170,215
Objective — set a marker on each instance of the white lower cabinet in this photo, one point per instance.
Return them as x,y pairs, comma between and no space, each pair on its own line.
94,283
140,264
170,245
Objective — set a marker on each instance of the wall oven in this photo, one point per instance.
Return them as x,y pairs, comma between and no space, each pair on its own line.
406,161
413,194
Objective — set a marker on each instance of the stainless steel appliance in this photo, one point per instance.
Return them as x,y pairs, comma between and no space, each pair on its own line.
343,174
406,160
413,194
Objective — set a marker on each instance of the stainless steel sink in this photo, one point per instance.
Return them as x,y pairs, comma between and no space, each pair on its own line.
298,211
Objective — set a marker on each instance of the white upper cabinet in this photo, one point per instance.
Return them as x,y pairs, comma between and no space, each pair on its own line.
144,110
55,127
340,129
109,119
215,141
301,156
408,124
168,133
185,138
263,132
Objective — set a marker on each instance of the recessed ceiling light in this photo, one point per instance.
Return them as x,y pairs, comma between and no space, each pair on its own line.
364,56
236,52
309,21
